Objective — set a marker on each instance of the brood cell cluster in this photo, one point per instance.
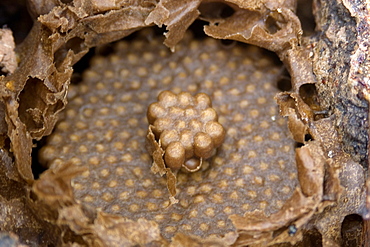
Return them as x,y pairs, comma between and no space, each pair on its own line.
186,128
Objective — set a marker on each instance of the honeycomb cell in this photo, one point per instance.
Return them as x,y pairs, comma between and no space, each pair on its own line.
216,132
167,137
155,111
162,124
174,155
208,114
186,139
203,101
203,145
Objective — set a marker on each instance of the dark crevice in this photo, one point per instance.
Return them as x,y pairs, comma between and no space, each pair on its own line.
197,29
284,83
227,43
305,15
215,10
299,145
308,137
37,168
146,33
75,44
308,94
103,50
351,230
271,25
14,15
312,238
76,78
226,11
29,116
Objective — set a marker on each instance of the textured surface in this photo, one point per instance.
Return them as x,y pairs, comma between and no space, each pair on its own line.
343,91
186,128
105,128
33,96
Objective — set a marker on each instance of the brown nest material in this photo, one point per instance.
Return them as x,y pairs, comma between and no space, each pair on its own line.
105,128
287,173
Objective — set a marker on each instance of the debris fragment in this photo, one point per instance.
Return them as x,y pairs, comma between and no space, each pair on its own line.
8,61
